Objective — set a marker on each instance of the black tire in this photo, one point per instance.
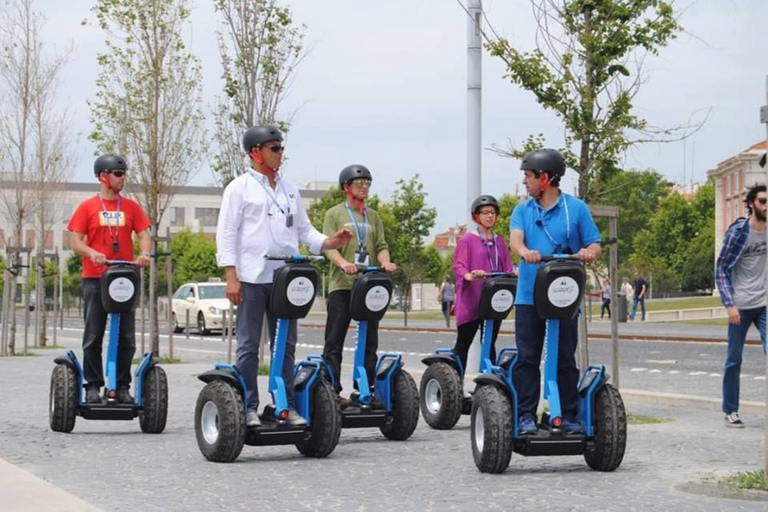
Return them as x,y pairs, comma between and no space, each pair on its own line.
175,324
405,408
610,424
62,402
326,422
155,412
201,324
441,396
229,438
491,430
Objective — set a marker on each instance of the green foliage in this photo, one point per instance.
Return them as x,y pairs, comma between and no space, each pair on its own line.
507,203
435,267
580,73
637,193
677,247
746,480
196,261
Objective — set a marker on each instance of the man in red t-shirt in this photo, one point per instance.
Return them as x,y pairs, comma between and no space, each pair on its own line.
102,229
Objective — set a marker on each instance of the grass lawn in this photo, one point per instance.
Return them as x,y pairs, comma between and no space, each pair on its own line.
754,480
669,304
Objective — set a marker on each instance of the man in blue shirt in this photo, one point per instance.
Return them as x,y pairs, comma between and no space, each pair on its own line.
551,222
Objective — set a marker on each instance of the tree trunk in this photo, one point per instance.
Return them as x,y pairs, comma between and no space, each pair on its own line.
588,101
154,332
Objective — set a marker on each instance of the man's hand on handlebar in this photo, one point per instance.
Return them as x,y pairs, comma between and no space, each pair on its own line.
98,258
142,260
349,268
587,256
531,256
389,267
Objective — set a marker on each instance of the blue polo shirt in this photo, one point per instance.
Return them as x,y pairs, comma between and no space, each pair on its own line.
544,229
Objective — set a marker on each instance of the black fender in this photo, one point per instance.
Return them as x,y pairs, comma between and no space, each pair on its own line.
214,375
67,361
491,379
441,358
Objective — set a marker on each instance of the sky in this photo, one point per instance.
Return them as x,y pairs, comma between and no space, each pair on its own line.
384,85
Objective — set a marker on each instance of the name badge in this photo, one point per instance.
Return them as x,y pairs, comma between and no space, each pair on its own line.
363,258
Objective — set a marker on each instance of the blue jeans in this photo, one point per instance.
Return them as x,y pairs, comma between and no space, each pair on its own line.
641,300
737,334
530,330
250,317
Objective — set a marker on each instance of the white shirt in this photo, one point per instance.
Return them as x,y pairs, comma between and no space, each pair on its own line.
251,226
627,289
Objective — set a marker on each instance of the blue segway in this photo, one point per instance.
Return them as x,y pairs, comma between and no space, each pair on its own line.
119,293
393,405
495,435
441,391
220,413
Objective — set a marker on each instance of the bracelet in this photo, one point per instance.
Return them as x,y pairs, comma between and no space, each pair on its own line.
148,255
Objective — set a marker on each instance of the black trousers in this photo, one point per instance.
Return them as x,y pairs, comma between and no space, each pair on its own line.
336,327
605,307
95,323
465,333
530,331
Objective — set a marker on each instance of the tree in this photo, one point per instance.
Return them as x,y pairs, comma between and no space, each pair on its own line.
194,258
435,266
507,203
148,105
260,48
34,135
638,194
407,220
586,68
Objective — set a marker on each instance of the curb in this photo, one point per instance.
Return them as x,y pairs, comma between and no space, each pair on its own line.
22,491
592,336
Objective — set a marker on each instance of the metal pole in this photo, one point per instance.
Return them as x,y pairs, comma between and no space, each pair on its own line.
56,293
474,125
25,282
186,330
169,280
583,348
229,332
613,270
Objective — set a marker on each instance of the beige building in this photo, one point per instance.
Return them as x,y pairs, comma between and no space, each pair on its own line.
196,208
732,179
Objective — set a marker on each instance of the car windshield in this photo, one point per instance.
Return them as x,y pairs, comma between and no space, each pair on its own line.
213,292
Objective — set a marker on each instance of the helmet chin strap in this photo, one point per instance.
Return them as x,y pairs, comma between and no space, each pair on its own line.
105,181
544,184
350,195
256,157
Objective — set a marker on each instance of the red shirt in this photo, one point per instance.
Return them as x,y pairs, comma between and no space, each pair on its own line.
102,226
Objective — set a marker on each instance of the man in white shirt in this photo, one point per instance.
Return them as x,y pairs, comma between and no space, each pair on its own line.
261,214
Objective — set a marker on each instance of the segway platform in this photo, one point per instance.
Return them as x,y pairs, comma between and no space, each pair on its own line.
108,411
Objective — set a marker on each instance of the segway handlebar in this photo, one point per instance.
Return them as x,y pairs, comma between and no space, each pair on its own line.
119,262
552,257
500,274
293,258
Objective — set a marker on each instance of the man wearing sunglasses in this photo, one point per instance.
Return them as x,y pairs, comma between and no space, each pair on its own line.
102,229
367,248
262,214
550,222
740,278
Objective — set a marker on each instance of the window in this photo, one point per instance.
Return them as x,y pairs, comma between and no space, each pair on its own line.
66,240
48,240
208,217
66,212
177,216
181,293
30,237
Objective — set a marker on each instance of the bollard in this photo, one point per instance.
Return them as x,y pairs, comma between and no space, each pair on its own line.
223,325
186,328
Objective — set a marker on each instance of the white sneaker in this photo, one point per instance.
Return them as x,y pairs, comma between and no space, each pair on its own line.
732,420
252,419
295,419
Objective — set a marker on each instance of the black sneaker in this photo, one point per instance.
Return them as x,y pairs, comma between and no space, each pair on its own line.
732,420
92,395
124,396
343,402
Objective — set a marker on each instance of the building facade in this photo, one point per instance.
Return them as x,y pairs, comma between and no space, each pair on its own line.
733,177
194,208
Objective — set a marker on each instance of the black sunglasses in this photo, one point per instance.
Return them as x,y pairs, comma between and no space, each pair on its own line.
117,174
277,148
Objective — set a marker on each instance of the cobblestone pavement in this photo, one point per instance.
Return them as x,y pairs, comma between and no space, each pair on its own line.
114,466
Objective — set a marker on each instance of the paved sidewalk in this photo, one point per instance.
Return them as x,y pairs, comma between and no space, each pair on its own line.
112,465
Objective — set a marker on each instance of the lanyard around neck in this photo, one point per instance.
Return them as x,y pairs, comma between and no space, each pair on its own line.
493,262
271,195
540,222
117,217
361,231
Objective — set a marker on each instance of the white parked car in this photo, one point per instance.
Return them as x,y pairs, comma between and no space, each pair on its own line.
206,303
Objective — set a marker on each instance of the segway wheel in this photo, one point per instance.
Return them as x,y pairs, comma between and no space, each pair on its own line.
62,406
491,429
405,408
219,422
326,423
610,428
440,396
155,412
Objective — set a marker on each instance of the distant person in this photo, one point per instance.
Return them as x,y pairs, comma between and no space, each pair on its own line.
606,299
626,288
740,278
446,297
640,288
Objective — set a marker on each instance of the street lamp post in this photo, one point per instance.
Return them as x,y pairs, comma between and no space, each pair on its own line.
764,120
